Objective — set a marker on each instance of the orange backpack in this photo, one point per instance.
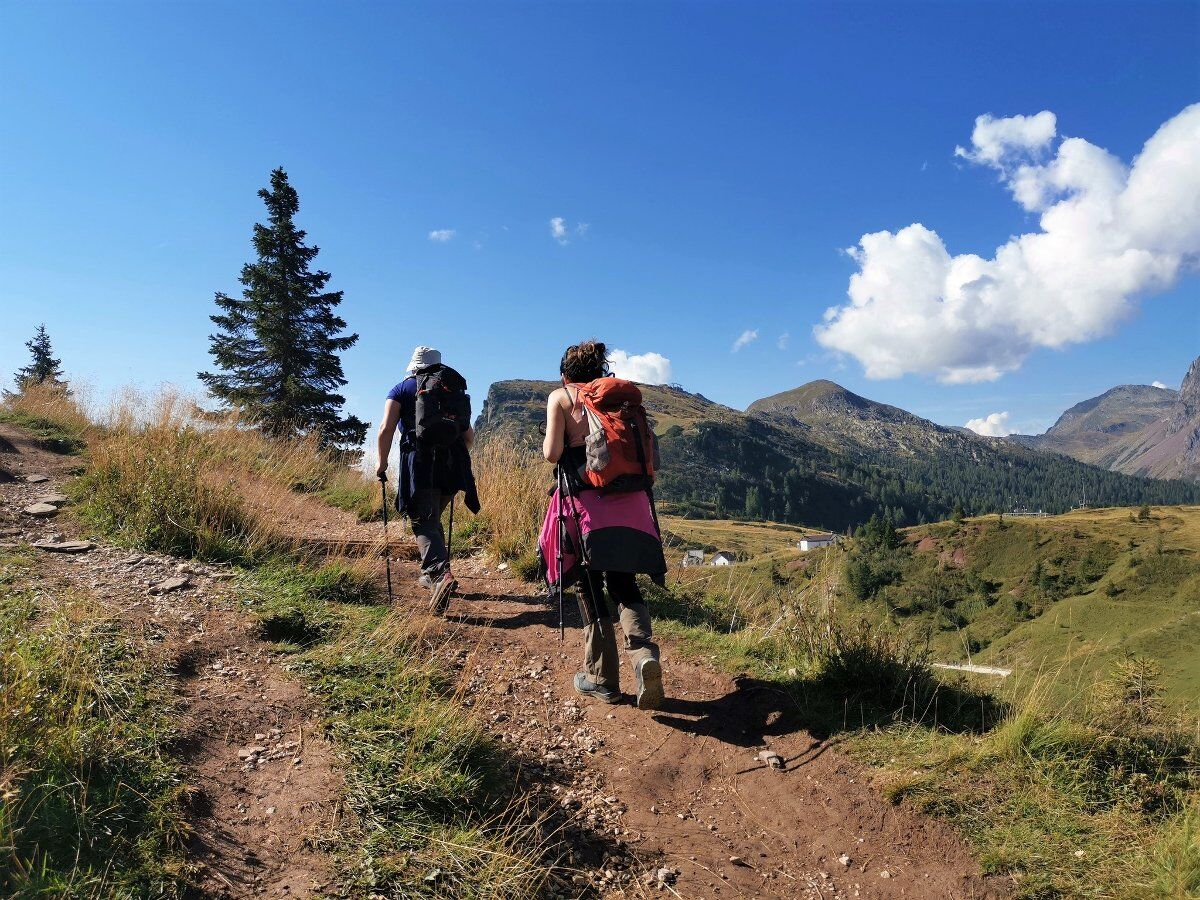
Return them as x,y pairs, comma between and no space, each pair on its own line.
622,452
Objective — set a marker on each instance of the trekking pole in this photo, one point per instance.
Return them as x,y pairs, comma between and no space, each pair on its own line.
387,544
562,536
450,535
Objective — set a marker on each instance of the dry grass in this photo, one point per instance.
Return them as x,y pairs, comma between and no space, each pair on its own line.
512,484
160,472
56,417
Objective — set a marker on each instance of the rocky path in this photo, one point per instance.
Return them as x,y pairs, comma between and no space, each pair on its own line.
685,790
264,784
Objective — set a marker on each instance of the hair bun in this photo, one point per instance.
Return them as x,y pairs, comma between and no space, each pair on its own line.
585,361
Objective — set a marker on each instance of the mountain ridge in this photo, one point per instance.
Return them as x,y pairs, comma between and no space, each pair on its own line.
1134,429
822,455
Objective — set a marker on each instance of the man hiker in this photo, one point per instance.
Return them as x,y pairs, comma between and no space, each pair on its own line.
601,517
433,410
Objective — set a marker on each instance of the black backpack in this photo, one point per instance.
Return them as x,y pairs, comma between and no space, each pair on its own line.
443,410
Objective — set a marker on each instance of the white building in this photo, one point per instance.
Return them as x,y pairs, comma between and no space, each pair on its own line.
723,558
693,558
813,541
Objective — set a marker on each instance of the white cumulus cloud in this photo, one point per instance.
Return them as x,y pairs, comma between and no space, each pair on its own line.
441,235
992,425
749,336
1110,233
648,368
1159,385
995,141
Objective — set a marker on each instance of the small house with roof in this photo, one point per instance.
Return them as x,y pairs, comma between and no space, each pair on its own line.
693,558
723,558
816,541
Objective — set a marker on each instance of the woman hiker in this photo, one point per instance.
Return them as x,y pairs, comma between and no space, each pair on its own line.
433,411
615,529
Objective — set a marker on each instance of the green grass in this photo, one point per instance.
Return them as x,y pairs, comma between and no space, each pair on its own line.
1069,594
90,799
425,783
1081,776
745,539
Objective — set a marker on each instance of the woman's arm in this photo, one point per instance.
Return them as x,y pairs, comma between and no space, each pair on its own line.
556,425
387,429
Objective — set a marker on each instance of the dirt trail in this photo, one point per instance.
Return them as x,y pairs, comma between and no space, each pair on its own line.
684,782
679,789
256,815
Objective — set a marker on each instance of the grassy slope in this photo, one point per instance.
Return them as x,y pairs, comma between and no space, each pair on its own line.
1107,592
1154,610
1085,799
748,539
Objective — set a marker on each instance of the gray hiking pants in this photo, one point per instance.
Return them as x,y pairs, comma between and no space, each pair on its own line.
600,640
427,528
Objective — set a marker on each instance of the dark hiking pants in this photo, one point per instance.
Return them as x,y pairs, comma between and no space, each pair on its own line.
600,660
428,506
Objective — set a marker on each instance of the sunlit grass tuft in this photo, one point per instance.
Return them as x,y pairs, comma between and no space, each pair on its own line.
89,797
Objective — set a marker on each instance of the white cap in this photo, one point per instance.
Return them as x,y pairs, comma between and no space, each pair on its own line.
423,357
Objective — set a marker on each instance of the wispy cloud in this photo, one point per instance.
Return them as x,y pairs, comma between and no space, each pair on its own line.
562,231
992,425
749,336
782,341
441,235
648,368
1159,385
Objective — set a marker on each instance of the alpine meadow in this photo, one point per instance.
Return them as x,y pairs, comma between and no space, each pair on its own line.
597,451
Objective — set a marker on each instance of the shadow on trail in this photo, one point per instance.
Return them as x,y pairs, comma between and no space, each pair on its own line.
826,705
752,711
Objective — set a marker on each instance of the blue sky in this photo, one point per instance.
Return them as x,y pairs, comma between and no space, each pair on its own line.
721,156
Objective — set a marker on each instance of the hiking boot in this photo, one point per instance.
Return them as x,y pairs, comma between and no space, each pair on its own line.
442,589
649,684
426,582
588,688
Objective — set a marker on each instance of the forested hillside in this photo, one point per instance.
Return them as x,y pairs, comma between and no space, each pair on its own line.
823,456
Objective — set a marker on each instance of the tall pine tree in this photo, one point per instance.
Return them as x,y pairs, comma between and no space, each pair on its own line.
43,368
277,347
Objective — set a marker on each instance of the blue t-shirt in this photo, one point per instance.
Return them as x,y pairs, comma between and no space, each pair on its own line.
405,393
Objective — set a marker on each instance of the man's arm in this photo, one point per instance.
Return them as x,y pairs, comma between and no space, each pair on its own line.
387,430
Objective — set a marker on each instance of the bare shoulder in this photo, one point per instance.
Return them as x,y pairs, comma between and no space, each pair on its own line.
558,397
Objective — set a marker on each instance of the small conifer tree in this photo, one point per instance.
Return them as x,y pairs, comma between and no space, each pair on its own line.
277,347
43,368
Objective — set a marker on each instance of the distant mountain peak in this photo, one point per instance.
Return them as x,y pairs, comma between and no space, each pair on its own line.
1138,429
